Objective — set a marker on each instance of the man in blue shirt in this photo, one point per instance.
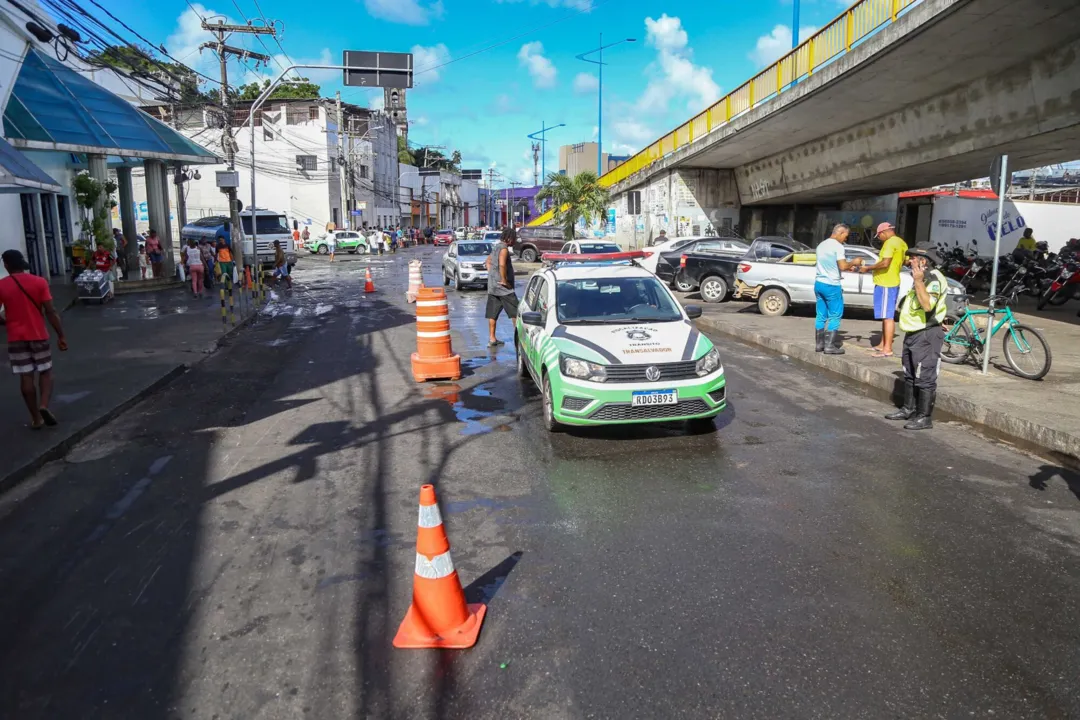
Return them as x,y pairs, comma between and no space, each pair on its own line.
831,261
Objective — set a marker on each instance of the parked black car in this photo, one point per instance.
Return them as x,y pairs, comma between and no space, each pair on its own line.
715,273
667,265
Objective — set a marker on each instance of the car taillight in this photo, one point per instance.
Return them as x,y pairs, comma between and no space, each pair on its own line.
744,267
682,261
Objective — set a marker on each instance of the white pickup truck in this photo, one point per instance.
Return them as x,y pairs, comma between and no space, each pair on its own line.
779,284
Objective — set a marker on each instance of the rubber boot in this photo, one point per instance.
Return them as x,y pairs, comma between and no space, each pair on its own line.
833,346
908,408
819,340
924,409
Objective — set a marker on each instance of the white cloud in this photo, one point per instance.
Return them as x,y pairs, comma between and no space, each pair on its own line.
633,131
377,101
503,105
420,121
675,74
585,83
776,44
584,5
542,70
405,12
426,61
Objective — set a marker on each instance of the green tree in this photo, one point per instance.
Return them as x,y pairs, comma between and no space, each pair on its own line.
287,91
136,61
574,198
404,155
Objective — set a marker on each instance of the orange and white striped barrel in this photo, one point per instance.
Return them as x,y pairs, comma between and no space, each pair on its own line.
438,617
432,324
416,280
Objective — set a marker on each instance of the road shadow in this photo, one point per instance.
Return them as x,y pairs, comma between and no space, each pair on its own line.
1041,479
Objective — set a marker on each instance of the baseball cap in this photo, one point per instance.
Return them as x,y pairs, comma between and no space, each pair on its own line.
883,227
14,259
925,251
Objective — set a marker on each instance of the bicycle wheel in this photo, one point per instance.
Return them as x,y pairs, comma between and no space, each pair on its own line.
1027,352
958,343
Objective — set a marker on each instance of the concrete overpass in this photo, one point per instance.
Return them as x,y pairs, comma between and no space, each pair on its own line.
929,97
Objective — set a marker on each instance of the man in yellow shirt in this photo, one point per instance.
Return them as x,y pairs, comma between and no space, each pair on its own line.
1027,242
887,284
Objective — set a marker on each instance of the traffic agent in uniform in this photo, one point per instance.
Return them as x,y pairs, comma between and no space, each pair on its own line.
922,312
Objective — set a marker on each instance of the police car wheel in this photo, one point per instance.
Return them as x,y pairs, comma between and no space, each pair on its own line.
522,368
550,422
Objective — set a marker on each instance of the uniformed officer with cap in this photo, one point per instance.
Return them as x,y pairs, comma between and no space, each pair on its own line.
922,312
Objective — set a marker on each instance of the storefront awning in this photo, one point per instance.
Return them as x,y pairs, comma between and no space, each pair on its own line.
18,174
52,107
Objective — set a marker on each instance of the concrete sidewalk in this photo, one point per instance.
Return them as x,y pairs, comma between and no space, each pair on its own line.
119,353
1043,415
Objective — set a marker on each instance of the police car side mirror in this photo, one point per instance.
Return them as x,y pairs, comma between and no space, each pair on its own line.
693,311
532,318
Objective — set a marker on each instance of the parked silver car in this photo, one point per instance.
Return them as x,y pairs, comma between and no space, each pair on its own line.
463,263
779,284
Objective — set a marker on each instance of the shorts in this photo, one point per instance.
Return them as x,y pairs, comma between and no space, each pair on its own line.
281,272
30,356
498,303
885,302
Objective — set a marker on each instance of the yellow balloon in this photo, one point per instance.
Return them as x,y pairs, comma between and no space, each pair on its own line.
867,221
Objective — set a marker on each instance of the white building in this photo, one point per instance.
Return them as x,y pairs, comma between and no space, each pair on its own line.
437,198
298,162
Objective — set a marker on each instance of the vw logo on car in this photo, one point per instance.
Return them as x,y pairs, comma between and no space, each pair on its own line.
652,373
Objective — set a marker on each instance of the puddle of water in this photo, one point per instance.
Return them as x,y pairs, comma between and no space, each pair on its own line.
322,309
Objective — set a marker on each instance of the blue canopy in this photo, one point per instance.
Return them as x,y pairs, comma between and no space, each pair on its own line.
52,107
18,174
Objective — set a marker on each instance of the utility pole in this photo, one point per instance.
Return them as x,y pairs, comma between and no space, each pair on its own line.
341,161
220,31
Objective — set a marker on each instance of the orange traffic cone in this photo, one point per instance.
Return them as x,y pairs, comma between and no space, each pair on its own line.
438,616
369,286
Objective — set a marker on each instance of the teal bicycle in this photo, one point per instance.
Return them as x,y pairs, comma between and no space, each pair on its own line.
1026,350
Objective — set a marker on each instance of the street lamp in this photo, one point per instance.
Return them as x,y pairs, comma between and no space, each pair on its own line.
543,147
539,135
600,92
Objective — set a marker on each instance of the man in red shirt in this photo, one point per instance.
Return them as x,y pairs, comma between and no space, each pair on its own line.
25,298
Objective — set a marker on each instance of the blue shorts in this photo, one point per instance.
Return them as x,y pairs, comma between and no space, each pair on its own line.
885,302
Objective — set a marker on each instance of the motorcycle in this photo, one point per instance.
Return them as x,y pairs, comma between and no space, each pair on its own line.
1064,287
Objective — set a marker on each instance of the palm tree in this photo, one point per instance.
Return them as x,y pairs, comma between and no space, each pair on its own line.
574,198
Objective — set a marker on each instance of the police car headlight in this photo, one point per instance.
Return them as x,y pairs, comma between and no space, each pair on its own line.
708,364
582,369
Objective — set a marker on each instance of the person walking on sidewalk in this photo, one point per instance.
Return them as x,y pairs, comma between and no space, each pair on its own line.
206,252
224,259
501,295
921,313
831,261
887,285
281,265
193,260
25,299
156,254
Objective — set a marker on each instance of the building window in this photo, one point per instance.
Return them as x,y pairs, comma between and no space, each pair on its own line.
363,172
307,163
268,135
313,112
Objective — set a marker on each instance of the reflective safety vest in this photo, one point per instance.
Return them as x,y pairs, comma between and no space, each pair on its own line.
912,316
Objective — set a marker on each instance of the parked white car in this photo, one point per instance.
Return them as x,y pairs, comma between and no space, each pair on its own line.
464,264
779,284
589,247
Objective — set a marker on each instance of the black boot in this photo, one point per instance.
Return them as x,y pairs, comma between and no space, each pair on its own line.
819,340
833,346
924,409
908,408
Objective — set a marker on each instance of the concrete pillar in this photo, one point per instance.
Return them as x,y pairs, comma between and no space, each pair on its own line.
39,225
99,170
158,210
54,210
170,239
127,218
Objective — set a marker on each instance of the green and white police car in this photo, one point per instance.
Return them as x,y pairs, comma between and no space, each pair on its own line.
607,343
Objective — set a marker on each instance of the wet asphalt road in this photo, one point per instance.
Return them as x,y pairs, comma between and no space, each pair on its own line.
241,545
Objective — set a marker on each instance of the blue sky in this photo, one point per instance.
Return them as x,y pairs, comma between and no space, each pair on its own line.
685,56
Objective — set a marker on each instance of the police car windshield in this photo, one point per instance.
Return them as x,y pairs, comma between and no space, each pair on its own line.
474,249
614,300
594,248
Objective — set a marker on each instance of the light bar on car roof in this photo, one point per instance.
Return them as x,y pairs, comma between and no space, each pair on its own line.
594,257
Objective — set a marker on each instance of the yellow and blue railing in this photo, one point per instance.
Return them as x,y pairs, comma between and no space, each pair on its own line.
835,39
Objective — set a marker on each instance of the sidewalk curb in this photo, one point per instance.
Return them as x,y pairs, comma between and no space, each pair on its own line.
62,446
1022,432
